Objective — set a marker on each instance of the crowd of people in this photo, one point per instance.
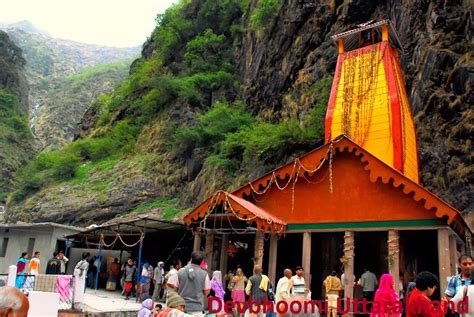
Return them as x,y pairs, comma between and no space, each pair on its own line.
192,289
189,291
26,267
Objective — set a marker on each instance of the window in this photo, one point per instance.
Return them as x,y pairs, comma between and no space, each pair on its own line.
3,249
31,246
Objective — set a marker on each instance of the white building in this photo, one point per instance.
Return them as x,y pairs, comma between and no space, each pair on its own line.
30,237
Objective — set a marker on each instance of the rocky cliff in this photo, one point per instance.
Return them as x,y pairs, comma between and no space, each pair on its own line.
16,141
65,77
226,92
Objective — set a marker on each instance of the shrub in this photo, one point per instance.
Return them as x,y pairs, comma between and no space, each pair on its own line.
265,11
205,52
213,126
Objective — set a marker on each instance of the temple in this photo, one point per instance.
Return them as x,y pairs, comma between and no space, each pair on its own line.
352,204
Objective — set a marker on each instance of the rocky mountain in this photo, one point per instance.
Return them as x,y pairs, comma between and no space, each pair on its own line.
225,91
16,141
50,63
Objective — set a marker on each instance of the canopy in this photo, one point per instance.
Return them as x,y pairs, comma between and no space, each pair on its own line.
224,204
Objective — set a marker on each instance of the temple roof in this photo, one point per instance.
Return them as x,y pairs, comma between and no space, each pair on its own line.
311,175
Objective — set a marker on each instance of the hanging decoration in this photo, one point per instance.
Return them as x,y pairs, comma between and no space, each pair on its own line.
359,75
299,170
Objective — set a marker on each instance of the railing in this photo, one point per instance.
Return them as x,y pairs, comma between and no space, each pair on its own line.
61,284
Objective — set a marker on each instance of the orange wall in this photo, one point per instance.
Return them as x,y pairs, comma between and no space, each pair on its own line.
354,197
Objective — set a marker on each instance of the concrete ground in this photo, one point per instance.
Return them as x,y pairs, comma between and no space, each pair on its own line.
107,301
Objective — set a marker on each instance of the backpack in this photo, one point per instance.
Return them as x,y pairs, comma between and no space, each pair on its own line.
270,292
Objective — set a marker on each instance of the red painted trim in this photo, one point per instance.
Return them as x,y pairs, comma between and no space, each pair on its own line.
395,108
398,69
332,99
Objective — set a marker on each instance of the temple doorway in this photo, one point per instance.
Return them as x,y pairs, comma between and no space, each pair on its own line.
326,251
419,252
243,257
370,253
290,253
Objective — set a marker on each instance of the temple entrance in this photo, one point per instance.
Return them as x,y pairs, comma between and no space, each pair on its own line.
370,253
245,244
326,250
290,253
419,252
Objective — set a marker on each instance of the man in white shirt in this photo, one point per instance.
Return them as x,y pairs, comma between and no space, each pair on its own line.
158,274
283,286
172,277
369,284
345,280
298,285
63,260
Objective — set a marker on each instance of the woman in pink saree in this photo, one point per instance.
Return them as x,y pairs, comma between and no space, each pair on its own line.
386,301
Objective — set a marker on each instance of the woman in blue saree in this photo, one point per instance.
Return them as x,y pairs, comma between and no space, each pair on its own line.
21,268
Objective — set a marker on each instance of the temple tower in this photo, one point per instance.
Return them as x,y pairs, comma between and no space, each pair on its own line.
368,101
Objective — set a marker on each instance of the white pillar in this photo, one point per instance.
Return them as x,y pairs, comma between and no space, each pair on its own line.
11,275
443,258
394,257
306,259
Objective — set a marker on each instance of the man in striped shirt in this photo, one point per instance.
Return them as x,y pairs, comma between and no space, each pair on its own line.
298,285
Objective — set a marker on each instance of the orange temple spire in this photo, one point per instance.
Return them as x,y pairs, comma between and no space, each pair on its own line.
368,101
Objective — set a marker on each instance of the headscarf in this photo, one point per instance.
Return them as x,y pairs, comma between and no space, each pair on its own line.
146,309
385,294
216,284
21,265
144,273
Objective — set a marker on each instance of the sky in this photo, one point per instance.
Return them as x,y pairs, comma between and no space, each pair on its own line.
120,23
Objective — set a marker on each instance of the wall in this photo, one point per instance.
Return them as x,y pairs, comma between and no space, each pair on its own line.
45,241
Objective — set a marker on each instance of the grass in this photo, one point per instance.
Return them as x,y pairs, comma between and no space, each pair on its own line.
169,204
83,171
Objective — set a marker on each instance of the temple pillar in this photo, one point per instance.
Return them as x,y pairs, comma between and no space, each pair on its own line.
348,261
197,241
306,258
394,257
468,246
258,251
272,259
209,251
452,253
223,259
443,258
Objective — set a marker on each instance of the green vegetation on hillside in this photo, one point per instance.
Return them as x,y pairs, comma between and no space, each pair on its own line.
264,12
15,136
180,98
